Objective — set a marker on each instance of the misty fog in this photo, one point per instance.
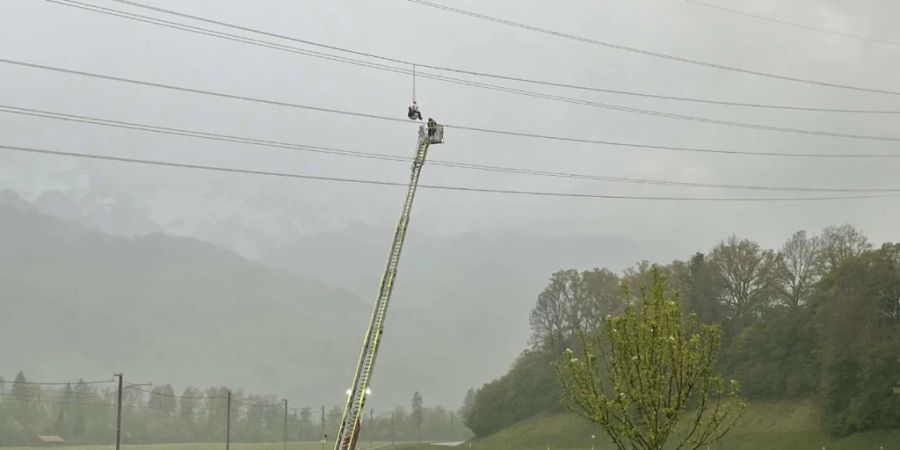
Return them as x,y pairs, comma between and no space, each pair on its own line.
199,278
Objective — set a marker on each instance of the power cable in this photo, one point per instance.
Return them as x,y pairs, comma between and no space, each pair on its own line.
160,394
790,24
257,405
48,402
492,87
127,406
459,127
62,383
496,76
436,187
665,56
386,157
63,395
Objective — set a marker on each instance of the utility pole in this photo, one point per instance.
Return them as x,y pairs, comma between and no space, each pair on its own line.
324,436
392,428
228,420
285,423
371,426
119,412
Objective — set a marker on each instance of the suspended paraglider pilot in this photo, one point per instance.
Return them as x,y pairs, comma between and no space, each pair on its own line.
413,112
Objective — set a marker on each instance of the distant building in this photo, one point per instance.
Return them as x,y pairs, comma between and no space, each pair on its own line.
50,440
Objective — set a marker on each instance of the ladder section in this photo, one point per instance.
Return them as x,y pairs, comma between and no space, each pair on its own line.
349,426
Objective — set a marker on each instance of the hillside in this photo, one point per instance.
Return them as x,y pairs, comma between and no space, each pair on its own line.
80,303
483,285
787,425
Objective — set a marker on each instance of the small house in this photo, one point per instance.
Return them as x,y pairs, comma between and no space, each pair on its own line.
50,440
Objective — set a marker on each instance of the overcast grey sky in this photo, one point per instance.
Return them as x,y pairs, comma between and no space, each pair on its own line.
41,32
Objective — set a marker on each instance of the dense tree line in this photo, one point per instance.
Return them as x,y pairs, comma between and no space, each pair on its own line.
818,318
86,413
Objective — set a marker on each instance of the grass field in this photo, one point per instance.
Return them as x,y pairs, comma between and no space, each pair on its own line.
214,446
765,426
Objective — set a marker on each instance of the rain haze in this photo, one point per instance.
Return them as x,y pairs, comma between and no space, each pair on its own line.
273,277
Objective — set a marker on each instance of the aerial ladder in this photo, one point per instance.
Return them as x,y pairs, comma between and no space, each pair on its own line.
348,431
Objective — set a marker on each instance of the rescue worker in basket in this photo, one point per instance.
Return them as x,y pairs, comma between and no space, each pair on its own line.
413,112
432,127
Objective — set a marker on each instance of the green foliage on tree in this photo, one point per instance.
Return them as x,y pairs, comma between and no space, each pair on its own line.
858,324
572,301
775,357
699,286
748,278
306,431
528,389
83,413
817,318
417,413
468,403
648,370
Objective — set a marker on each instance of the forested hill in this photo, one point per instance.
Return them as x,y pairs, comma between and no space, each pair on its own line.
817,318
79,303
